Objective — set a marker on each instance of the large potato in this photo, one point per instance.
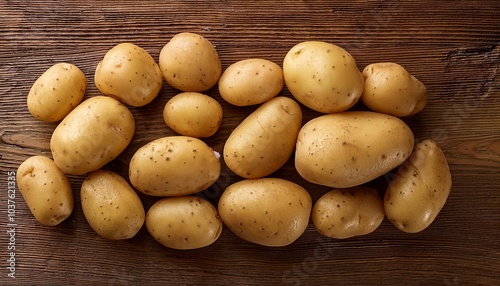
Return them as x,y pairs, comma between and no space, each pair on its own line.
390,88
129,73
351,148
56,92
420,188
267,211
264,141
184,222
92,135
250,81
174,166
344,213
110,205
322,76
45,189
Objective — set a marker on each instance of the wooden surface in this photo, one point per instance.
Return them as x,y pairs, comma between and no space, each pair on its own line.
451,46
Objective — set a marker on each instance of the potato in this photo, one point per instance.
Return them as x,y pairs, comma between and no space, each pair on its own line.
344,213
419,189
92,135
265,140
351,148
45,189
186,222
111,206
267,211
193,114
129,73
390,88
250,82
174,166
322,76
56,92
189,62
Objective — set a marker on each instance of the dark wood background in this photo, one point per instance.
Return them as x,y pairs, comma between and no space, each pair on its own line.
451,46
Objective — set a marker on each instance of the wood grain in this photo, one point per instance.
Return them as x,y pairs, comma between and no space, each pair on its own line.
451,46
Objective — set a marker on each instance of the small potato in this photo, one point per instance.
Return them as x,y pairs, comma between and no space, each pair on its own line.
267,211
45,189
92,135
56,92
391,89
193,114
184,222
129,73
174,166
344,213
322,76
420,188
112,208
250,82
189,62
265,140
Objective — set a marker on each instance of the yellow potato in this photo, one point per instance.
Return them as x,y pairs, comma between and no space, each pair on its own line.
420,188
322,76
267,211
265,140
250,82
129,73
348,149
390,88
184,222
193,114
174,166
56,92
110,205
344,213
45,189
92,135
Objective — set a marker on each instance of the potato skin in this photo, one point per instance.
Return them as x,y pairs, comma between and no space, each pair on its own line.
186,222
111,206
265,140
345,213
418,192
267,211
56,92
391,89
45,189
250,82
174,166
348,149
92,135
322,76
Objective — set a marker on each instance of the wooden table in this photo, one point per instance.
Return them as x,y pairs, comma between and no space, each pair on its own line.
451,46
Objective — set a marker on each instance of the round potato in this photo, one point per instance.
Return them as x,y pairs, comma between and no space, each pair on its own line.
189,62
250,82
265,140
348,149
193,114
267,211
45,189
322,76
56,92
174,166
129,73
92,135
184,222
419,189
110,205
344,213
390,88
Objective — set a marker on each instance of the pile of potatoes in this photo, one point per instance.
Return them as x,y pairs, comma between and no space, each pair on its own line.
340,149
